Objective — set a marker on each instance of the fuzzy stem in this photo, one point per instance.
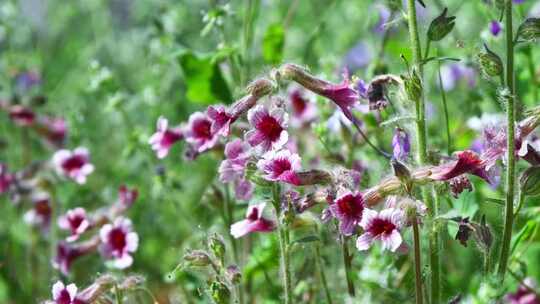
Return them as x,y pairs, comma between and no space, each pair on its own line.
422,155
283,246
417,262
347,265
486,264
445,109
510,145
320,268
521,200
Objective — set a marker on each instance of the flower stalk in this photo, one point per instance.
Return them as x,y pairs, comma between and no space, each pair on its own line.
417,262
510,145
422,154
283,245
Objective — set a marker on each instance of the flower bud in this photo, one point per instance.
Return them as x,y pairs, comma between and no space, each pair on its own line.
490,63
441,26
530,181
260,87
197,258
314,177
220,293
403,174
413,86
529,30
217,246
233,274
482,235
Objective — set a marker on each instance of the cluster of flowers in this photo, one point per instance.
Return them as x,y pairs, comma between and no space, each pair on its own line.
106,230
267,146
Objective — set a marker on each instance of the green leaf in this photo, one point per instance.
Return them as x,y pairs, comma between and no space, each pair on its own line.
306,239
204,80
525,233
273,43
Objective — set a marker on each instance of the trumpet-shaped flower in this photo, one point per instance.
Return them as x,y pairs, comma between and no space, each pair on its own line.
118,241
73,164
75,221
164,138
254,222
280,166
269,128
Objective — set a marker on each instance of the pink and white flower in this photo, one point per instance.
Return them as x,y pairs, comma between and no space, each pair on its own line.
303,110
220,120
269,128
54,129
164,138
237,154
118,241
383,226
40,214
348,208
254,222
65,294
198,132
66,253
280,166
73,164
75,221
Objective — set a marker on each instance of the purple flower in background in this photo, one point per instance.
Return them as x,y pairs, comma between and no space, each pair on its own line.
164,137
221,120
127,196
5,178
198,132
53,128
384,17
495,28
280,166
518,1
236,157
524,295
243,189
269,128
25,81
383,226
67,253
254,222
348,208
22,116
118,241
359,56
452,74
303,110
40,214
401,144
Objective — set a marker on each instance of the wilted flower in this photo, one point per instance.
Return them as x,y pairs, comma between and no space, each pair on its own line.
254,222
164,137
348,208
280,166
21,115
73,164
401,144
118,241
198,132
40,214
269,128
467,162
66,253
65,294
127,196
220,120
75,221
303,110
383,226
459,184
464,230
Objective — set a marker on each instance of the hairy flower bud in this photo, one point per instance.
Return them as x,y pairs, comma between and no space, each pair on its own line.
412,85
220,293
530,181
217,246
441,26
260,87
197,258
403,174
482,235
314,177
490,63
529,30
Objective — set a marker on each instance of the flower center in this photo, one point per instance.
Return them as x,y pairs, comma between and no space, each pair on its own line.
75,221
64,297
270,127
201,129
298,103
280,165
350,206
117,239
75,162
253,215
169,138
381,226
42,208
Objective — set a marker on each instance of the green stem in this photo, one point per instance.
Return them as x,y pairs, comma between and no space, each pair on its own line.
486,264
530,64
118,295
417,262
510,146
348,266
228,206
445,109
422,156
320,268
428,45
521,200
283,246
